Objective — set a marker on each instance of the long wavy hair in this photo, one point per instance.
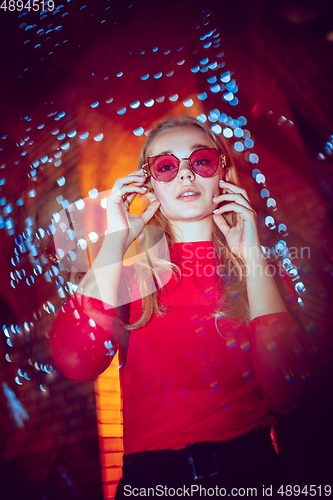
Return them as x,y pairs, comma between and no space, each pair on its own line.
234,302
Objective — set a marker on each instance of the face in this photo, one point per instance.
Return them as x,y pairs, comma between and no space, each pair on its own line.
176,205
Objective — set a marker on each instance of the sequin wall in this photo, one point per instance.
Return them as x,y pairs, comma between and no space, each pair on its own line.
82,82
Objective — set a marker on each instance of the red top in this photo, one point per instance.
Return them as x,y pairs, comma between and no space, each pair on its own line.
183,381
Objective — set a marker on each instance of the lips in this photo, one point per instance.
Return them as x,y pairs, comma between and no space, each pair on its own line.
188,192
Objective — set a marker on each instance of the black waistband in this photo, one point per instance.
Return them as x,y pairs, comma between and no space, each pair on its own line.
199,461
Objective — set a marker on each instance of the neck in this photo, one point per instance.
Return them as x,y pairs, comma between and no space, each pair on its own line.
191,231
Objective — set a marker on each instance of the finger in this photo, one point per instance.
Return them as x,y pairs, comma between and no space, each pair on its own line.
137,176
235,207
150,211
129,198
137,172
129,178
234,188
221,224
237,198
124,190
126,182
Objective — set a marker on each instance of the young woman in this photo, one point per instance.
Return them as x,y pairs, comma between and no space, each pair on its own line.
209,354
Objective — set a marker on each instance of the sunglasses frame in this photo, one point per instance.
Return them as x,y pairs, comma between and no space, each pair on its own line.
147,171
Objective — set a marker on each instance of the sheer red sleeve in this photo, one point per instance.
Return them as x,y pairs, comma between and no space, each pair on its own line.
86,335
286,366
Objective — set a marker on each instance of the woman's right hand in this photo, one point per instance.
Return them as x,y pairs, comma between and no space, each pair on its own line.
119,220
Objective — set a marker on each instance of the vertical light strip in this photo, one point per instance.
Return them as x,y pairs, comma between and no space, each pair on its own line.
110,427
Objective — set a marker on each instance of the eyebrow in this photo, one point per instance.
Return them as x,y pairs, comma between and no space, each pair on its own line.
193,148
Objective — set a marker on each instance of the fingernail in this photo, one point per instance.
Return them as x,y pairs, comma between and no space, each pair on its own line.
215,198
216,210
221,181
145,189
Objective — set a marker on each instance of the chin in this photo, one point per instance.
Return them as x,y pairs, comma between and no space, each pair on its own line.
190,216
188,213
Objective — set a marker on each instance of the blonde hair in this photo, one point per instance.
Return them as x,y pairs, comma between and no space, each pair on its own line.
234,303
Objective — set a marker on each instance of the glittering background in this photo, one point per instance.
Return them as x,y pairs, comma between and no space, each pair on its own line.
81,84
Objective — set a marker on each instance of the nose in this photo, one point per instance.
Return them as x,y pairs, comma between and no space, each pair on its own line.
185,171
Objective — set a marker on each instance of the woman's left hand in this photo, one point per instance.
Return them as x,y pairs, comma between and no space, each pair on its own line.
242,238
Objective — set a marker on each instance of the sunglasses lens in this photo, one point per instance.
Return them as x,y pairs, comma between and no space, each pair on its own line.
164,168
204,162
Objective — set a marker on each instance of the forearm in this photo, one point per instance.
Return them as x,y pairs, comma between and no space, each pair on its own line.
287,368
87,332
263,294
103,278
85,337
